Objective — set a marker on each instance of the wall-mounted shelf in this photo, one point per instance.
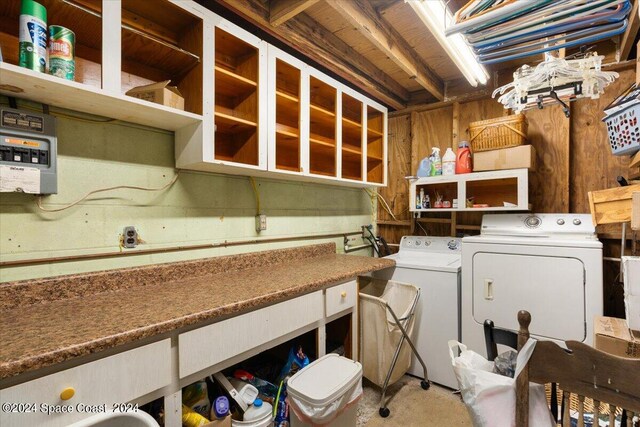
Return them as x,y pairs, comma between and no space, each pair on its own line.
40,87
492,188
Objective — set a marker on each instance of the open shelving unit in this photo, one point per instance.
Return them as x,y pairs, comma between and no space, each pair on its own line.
375,145
236,99
83,17
322,127
492,188
161,41
351,138
288,86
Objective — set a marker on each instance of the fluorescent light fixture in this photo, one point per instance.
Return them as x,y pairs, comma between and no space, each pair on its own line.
436,17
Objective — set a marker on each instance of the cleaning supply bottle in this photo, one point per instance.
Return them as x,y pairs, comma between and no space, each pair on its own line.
423,168
463,158
257,411
421,196
220,408
191,418
419,201
436,162
449,162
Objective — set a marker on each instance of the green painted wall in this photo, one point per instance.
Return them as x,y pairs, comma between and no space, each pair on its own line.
198,209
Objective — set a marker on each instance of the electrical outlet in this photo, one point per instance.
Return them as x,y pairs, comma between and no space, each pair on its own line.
261,222
130,235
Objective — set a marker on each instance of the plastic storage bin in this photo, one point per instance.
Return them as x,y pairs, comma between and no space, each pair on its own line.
624,130
325,393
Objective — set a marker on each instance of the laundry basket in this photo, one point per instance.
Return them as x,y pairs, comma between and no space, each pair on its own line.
387,318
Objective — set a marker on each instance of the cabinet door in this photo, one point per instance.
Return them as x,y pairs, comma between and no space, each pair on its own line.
288,131
352,136
239,97
324,125
376,147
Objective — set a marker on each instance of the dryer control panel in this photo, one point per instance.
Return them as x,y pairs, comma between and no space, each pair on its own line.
28,152
532,224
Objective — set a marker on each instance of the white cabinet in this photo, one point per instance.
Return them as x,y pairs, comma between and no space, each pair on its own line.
506,190
115,379
288,120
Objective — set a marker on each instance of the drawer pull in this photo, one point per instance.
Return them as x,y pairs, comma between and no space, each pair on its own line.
343,294
67,393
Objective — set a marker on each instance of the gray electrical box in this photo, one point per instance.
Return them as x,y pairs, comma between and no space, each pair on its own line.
28,152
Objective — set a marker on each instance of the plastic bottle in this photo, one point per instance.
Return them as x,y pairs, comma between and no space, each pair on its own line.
257,411
421,196
191,418
449,162
463,158
426,202
425,165
220,408
436,162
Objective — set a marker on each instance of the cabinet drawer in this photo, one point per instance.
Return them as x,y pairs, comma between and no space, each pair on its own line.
210,345
115,379
341,297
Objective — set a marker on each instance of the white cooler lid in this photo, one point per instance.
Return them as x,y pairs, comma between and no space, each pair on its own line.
324,380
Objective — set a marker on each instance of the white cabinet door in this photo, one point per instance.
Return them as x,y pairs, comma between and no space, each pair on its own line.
550,288
288,116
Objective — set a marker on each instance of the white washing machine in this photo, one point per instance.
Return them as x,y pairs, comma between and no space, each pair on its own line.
547,264
433,265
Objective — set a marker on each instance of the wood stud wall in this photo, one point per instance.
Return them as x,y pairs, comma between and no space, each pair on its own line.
573,158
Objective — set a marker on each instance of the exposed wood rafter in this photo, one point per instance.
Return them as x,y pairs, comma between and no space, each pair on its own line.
365,18
316,42
629,36
281,11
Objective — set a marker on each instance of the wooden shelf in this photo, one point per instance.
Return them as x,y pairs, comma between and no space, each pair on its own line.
231,84
287,131
227,123
287,96
47,89
321,140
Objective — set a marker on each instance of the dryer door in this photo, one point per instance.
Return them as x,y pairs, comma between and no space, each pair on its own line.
550,288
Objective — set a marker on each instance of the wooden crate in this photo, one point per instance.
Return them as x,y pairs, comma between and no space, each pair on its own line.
613,205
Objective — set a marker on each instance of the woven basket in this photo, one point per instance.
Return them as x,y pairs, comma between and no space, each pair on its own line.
493,134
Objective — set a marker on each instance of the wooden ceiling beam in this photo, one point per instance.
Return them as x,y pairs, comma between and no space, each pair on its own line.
281,11
308,37
629,36
365,18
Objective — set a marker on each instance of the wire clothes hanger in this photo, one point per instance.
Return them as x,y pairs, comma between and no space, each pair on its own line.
554,80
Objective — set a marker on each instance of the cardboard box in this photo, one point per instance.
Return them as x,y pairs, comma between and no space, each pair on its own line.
631,273
523,156
612,336
160,93
225,422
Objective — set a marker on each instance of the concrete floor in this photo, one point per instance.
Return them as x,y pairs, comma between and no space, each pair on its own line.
410,405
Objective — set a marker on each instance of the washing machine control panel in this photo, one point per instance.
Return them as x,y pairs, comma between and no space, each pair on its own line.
430,244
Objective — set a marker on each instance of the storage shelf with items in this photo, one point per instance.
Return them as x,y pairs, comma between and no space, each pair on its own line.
83,17
376,145
352,137
162,42
488,191
237,99
323,125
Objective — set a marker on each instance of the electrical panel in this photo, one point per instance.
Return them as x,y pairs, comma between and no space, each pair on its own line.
28,152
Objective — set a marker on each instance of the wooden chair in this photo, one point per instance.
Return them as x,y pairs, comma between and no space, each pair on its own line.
494,336
582,370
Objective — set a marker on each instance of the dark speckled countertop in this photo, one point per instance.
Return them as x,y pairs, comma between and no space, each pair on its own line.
49,321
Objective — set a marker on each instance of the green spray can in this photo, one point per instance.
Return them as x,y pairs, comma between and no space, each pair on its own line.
62,44
33,36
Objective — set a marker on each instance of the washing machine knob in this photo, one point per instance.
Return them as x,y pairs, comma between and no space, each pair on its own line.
418,242
577,222
453,245
560,221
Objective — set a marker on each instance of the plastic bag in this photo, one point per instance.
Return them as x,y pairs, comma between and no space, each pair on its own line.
491,398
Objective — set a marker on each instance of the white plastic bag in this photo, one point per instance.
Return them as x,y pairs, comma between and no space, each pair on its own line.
490,397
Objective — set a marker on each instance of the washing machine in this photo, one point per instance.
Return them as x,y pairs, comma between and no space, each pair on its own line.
433,265
547,264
